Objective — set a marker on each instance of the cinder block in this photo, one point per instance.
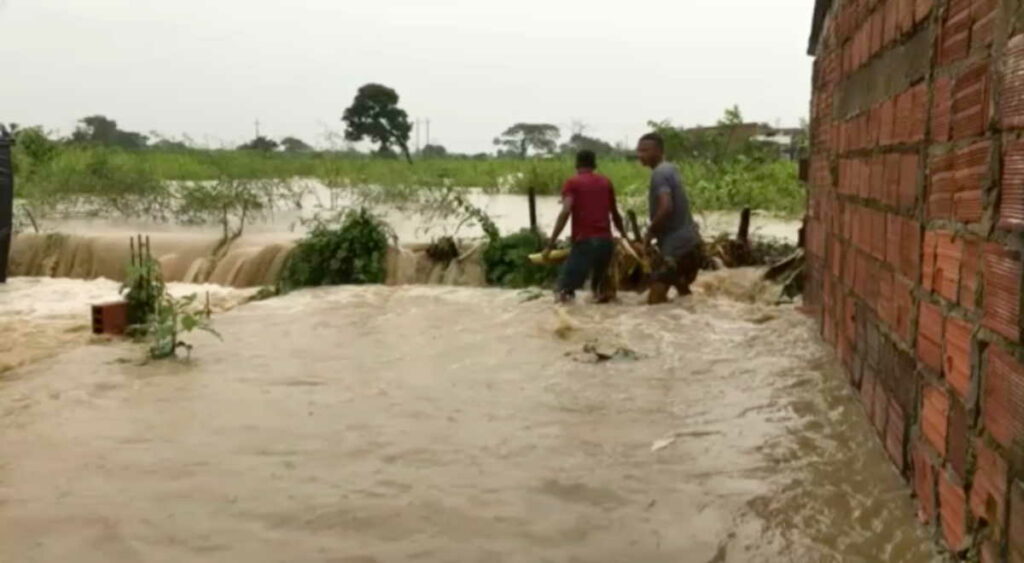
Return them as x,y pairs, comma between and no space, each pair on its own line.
988,493
892,170
1002,405
971,164
942,186
1002,275
928,249
969,273
949,254
907,196
935,417
110,318
956,439
910,250
954,38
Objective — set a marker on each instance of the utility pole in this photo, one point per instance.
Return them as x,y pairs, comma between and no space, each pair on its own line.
257,128
428,131
417,136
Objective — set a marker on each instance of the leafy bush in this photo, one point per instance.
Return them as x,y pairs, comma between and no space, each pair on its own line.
507,262
347,248
171,318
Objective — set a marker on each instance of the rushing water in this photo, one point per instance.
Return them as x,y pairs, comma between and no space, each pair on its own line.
414,423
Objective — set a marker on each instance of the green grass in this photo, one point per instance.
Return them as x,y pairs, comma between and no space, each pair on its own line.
122,178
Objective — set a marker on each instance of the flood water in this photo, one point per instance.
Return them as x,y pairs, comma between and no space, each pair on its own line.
411,423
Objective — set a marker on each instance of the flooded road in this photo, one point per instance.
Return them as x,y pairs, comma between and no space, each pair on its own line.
384,424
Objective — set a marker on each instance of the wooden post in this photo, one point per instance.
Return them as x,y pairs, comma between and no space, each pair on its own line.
6,202
744,233
532,195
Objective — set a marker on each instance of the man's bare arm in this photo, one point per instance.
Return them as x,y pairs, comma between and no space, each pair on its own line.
619,224
662,214
563,219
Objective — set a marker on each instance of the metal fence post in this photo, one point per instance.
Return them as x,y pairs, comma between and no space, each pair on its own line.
6,201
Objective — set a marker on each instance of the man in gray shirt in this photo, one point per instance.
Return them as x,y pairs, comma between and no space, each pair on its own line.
679,243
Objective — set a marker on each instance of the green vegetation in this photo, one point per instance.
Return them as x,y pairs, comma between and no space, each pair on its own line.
375,115
507,263
171,319
345,248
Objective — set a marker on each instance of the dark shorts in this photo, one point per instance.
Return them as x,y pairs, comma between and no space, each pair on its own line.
680,270
588,257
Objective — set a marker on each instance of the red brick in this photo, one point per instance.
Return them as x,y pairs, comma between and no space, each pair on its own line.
910,249
887,123
1002,275
942,186
924,485
989,552
904,117
874,118
906,15
969,274
971,164
835,257
1011,206
955,36
928,249
981,9
942,109
970,102
903,303
956,439
983,31
953,510
891,22
957,365
886,311
922,9
1012,100
919,113
988,493
878,234
894,433
880,411
875,32
935,417
867,392
929,335
894,238
1003,398
1015,529
892,179
949,254
907,196
877,167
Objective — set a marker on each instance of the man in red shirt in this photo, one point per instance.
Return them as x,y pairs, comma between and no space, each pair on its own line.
589,199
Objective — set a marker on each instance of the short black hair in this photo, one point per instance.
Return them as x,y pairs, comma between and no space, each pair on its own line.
586,159
654,138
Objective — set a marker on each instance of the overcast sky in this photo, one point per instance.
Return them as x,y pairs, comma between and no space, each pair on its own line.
210,68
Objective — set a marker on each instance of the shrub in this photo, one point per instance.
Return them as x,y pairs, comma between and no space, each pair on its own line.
507,262
346,248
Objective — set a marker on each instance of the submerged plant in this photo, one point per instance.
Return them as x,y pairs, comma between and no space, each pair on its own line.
171,319
343,248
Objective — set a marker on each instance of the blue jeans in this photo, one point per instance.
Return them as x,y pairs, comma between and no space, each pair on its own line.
591,257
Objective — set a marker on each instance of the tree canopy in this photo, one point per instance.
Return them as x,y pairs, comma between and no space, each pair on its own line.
260,143
434,151
294,144
579,142
104,131
521,138
375,115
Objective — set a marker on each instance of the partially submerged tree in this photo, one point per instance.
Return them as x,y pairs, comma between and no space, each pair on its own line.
375,115
100,130
293,144
260,143
523,137
579,142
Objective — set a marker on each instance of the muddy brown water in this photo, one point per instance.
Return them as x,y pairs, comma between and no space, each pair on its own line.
419,423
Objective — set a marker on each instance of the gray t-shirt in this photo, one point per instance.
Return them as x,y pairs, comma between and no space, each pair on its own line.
679,233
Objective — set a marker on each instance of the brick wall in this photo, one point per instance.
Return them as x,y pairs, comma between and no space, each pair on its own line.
914,237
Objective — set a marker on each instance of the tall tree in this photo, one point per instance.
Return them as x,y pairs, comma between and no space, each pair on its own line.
579,142
434,151
522,137
294,144
375,115
260,143
101,130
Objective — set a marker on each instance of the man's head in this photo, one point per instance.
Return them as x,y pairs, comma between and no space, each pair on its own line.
586,160
651,149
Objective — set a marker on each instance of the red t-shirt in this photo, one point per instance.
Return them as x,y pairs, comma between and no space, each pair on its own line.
593,199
